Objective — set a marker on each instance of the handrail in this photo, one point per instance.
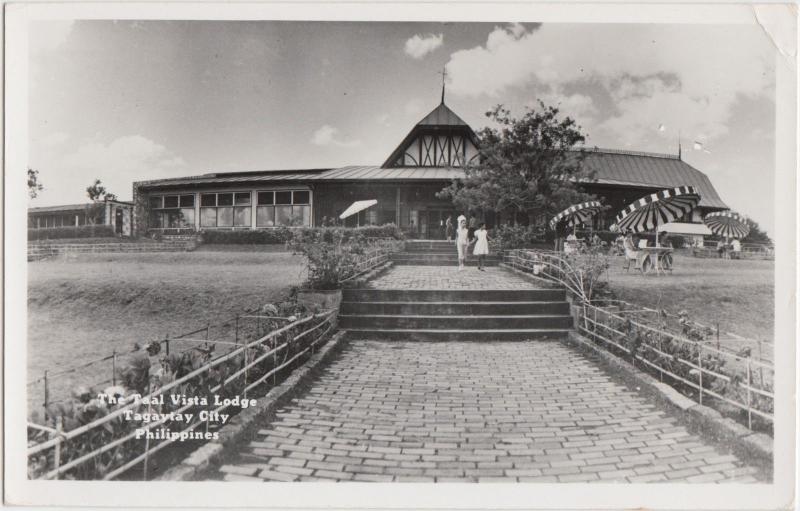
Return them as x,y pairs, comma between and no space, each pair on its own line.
60,437
556,268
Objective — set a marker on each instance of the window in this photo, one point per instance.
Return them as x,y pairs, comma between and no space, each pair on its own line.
172,211
230,209
283,207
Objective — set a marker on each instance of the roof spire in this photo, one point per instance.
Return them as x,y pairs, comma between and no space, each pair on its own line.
679,144
443,72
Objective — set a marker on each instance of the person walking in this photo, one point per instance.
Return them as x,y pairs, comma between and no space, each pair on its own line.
481,245
462,241
448,228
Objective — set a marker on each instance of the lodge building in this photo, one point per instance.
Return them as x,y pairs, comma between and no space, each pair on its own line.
427,160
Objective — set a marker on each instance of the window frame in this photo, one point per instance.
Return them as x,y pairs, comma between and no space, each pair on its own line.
163,212
293,205
233,207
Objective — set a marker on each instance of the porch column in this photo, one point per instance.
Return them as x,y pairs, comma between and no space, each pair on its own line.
397,208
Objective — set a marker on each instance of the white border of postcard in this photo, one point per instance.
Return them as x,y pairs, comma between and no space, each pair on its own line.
779,23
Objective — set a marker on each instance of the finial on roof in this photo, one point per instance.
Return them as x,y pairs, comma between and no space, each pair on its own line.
679,144
443,72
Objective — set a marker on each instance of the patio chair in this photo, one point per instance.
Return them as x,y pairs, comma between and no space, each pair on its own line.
631,254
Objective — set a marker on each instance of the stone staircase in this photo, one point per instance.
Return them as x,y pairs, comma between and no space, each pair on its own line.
437,253
442,315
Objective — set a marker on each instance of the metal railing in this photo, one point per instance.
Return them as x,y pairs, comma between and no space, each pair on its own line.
377,254
111,445
711,375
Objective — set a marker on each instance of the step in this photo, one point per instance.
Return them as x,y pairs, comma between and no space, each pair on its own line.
455,308
439,257
453,295
456,335
439,322
472,261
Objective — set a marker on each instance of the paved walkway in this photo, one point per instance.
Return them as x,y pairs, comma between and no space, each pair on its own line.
459,411
448,277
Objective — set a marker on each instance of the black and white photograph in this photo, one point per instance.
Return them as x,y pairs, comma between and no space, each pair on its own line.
289,244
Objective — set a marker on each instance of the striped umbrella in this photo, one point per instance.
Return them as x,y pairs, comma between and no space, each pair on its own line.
577,214
647,213
727,224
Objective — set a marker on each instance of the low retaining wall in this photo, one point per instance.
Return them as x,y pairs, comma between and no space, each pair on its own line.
39,250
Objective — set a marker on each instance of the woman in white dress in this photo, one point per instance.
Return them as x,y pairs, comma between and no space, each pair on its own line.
462,241
481,245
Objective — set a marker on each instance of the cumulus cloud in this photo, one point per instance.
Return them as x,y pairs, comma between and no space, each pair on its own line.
578,106
420,45
692,81
328,136
66,172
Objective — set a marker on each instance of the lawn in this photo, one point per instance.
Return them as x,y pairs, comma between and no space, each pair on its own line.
82,307
737,294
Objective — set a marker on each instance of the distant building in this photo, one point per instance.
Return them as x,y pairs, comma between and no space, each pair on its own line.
110,212
432,154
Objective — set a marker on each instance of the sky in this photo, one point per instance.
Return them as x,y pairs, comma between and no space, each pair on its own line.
124,101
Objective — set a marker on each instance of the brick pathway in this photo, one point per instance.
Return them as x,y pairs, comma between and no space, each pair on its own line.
448,277
459,411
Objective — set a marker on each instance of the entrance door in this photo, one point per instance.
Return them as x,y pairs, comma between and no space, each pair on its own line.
118,221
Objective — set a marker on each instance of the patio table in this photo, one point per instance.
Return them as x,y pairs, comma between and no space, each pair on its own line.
654,258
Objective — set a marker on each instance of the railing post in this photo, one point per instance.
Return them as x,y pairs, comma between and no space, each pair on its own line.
147,437
749,397
700,368
166,345
245,368
57,453
46,393
114,367
236,330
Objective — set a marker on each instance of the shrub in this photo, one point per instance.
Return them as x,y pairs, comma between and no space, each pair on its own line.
276,236
332,254
83,231
279,235
517,236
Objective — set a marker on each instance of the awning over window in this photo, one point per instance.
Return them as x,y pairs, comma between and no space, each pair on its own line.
685,228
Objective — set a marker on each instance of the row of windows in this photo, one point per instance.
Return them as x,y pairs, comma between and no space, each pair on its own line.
232,209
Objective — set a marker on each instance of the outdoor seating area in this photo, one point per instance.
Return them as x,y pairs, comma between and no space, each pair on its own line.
658,212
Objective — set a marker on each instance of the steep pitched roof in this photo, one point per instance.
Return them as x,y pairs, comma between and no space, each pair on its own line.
440,119
442,116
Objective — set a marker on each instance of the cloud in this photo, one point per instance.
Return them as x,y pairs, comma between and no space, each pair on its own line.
327,136
420,45
47,35
66,174
578,106
650,76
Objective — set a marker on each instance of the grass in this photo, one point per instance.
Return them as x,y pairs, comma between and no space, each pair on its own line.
737,294
82,307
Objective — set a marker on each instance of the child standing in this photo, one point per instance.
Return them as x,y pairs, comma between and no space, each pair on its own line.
462,241
481,245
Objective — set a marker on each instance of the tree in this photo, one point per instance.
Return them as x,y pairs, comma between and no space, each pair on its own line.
34,186
98,194
756,235
528,166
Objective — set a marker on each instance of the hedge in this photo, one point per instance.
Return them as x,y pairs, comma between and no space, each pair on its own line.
280,235
274,236
83,231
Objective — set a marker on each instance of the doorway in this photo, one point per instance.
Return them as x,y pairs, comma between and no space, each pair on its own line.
118,221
